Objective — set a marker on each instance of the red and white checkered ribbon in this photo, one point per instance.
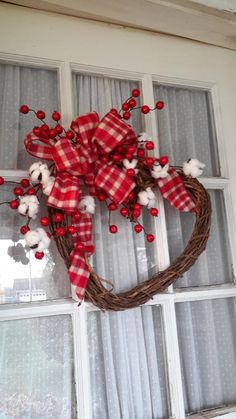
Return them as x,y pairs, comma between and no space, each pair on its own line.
173,189
79,271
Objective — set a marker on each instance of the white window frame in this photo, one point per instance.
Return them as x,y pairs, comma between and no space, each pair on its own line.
165,300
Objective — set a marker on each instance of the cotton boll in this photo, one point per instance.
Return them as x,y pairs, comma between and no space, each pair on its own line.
47,186
87,204
143,198
29,205
147,198
158,171
37,240
34,171
193,167
143,137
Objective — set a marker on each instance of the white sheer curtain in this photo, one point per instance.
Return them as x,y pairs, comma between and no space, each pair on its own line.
127,370
36,363
206,329
21,280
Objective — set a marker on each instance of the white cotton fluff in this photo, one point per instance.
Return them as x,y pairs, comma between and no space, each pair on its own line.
193,167
37,240
159,171
29,205
48,185
87,204
35,171
130,164
143,137
147,198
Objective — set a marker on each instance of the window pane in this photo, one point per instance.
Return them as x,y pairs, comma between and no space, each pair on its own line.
124,258
214,265
127,364
23,278
38,88
186,127
207,339
37,379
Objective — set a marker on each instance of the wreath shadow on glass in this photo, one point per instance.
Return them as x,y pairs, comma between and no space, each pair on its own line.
108,159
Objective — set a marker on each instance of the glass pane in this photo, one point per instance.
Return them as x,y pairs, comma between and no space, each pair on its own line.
37,378
23,278
207,339
38,88
124,258
127,364
186,127
214,265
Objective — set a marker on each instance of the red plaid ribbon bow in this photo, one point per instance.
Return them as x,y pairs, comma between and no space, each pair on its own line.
73,161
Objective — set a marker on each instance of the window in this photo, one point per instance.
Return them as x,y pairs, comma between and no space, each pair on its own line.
160,360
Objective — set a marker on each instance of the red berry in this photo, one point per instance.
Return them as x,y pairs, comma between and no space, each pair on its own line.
77,216
14,204
70,135
80,247
58,129
132,103
25,183
101,197
24,109
56,116
39,255
130,172
114,111
113,229
18,191
71,229
52,133
58,217
140,152
40,114
124,211
60,231
1,180
154,212
160,104
135,92
125,106
138,228
145,109
90,248
150,238
129,156
112,206
149,161
149,145
44,221
163,160
48,234
78,140
137,206
116,157
131,149
131,196
136,213
37,131
104,158
24,229
126,115
31,191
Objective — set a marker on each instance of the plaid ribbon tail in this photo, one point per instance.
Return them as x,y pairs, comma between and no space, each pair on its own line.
38,150
65,193
79,270
173,189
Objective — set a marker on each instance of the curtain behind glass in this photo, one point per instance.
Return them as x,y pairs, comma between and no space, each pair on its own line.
207,339
36,363
34,87
127,374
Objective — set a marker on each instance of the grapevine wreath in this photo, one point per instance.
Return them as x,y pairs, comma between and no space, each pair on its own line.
108,159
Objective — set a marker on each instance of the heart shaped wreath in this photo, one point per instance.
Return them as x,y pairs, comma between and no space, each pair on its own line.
112,162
